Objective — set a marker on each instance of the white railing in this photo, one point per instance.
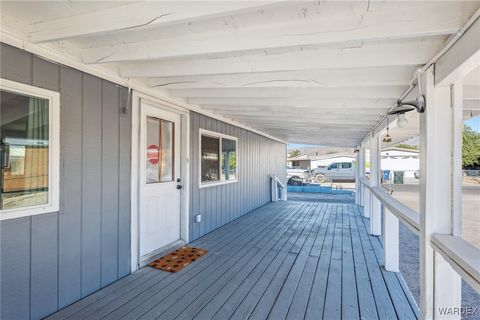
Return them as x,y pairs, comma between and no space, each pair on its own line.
407,215
279,191
463,257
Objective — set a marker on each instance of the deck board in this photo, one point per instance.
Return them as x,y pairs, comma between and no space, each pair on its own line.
285,260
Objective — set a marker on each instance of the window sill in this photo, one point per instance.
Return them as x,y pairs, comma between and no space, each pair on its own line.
27,212
214,184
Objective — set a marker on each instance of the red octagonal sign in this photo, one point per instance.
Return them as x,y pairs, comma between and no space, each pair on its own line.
153,154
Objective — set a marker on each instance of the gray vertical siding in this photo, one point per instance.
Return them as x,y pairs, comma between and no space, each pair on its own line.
51,260
258,158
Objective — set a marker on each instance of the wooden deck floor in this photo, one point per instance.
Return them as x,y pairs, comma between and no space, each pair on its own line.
286,260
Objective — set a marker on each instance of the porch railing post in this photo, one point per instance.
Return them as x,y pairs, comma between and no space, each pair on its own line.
366,202
390,237
457,141
375,204
440,285
358,183
361,174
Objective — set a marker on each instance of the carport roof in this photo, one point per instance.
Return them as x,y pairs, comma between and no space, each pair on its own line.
304,72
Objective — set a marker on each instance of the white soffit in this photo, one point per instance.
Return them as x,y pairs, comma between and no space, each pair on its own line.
305,72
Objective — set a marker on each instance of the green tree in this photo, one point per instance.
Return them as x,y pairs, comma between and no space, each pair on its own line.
407,146
294,153
471,148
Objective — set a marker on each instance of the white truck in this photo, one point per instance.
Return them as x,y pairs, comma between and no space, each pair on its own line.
337,171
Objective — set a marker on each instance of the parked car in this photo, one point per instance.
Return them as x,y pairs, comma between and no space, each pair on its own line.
297,172
297,176
337,171
295,181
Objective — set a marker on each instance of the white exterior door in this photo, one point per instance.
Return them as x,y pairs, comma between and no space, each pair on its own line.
159,216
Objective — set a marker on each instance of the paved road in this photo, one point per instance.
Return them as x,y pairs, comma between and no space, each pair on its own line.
410,195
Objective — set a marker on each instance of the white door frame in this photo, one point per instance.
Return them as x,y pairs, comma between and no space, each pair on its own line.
137,99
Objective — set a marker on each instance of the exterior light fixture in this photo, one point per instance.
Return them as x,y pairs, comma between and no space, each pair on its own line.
402,120
387,138
403,107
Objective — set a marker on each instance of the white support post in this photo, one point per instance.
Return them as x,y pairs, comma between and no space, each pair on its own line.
366,202
357,178
436,200
365,191
375,204
361,174
448,289
390,236
457,141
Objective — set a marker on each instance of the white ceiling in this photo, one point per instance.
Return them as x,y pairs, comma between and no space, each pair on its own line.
320,72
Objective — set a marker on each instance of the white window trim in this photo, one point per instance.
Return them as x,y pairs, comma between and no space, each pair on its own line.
53,149
208,133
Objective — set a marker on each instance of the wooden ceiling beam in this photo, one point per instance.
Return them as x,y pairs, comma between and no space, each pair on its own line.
138,16
392,92
302,115
471,104
386,76
303,122
296,110
394,53
337,102
390,22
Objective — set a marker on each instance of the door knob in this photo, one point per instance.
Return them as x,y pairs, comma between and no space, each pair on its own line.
179,187
178,179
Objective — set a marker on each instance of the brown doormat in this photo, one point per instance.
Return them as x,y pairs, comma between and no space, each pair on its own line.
178,259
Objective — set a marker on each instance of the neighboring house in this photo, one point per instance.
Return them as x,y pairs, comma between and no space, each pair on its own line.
399,159
393,159
82,189
309,162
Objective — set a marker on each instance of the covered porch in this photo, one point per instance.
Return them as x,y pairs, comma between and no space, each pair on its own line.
253,77
285,260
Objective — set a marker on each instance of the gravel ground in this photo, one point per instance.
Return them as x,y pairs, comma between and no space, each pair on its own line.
410,268
409,258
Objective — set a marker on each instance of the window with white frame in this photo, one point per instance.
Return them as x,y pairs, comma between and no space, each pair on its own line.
218,158
29,154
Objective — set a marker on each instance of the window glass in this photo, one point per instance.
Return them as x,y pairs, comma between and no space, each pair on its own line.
24,151
218,158
210,148
346,165
159,150
229,159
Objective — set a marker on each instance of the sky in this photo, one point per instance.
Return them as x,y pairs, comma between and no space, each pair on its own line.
474,123
298,145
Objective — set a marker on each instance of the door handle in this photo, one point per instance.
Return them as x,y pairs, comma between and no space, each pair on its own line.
179,187
178,179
